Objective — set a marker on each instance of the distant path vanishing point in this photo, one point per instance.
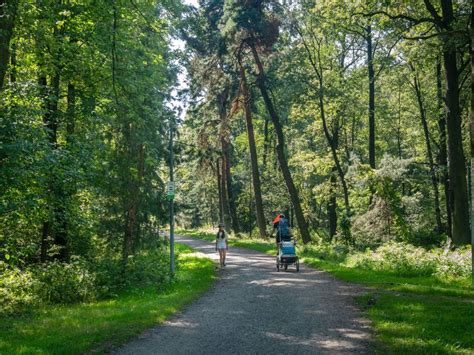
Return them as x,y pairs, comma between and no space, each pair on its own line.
253,309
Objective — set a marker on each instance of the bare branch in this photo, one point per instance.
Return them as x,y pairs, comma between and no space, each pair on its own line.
437,19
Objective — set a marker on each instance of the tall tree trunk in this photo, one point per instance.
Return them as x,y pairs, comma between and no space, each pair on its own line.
71,111
333,142
222,100
225,196
60,219
332,205
265,142
472,140
280,148
253,154
56,227
399,125
424,124
457,162
443,154
219,190
130,219
8,11
137,154
230,192
43,93
13,69
44,242
371,72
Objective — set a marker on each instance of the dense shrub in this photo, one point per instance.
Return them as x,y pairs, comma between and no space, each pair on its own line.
455,263
66,282
326,251
392,215
18,289
143,269
79,281
407,260
147,268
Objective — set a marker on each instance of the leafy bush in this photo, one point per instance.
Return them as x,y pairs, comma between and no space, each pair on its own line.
399,258
326,251
66,282
143,269
79,281
392,215
452,264
407,260
108,277
18,290
147,268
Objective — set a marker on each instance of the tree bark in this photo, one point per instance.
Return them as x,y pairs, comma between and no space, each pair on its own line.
222,102
371,72
253,154
8,11
137,154
443,154
424,124
71,111
333,145
44,242
472,140
57,226
457,162
230,192
280,148
219,190
13,64
265,142
332,205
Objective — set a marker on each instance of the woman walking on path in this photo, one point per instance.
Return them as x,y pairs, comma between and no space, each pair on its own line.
221,244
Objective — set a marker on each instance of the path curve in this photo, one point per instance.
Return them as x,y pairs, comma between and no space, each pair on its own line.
253,309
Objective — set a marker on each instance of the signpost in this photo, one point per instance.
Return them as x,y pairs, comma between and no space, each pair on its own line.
170,190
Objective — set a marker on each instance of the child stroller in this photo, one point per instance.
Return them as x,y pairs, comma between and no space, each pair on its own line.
287,255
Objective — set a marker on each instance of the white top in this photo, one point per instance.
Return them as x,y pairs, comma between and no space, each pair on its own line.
221,239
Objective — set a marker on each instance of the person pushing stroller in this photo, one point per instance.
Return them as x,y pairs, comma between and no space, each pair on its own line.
286,254
282,229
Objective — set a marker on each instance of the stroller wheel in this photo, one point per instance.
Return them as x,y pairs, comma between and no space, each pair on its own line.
278,266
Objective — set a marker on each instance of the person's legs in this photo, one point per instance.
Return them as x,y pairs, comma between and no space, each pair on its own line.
223,256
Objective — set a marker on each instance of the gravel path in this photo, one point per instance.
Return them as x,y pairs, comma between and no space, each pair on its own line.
253,309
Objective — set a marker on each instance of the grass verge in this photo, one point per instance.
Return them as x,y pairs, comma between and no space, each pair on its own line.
98,326
415,315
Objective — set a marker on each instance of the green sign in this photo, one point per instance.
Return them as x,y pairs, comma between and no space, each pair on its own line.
170,190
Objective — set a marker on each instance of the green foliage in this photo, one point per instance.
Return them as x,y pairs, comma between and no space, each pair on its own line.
65,282
315,63
18,290
391,215
401,259
101,325
83,118
79,280
336,252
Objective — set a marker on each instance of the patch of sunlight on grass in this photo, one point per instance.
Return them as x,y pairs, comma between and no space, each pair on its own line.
422,324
